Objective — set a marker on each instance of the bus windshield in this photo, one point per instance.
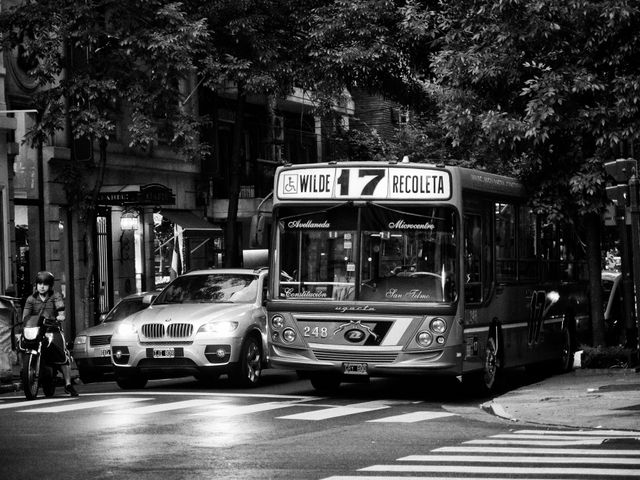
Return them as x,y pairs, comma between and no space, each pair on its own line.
374,253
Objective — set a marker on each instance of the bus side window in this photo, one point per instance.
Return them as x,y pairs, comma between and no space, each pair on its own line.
473,258
505,228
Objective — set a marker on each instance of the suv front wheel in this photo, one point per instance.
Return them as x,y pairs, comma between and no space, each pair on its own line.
247,372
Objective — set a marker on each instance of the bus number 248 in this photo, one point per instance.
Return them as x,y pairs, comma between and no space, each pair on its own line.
316,332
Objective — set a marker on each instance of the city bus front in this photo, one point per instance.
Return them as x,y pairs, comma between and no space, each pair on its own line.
364,288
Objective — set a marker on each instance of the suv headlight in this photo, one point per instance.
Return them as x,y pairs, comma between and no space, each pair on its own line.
125,329
218,327
80,340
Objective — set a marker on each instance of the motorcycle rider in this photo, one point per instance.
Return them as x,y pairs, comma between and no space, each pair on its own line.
50,304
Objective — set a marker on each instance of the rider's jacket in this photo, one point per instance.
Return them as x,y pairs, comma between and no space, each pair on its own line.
50,306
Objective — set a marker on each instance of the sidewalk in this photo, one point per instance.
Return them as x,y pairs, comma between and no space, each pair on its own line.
583,398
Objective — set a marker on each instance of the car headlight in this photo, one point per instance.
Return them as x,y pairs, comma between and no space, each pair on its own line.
218,327
80,340
125,329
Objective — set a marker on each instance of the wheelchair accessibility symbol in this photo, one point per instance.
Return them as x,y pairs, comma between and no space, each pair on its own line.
290,183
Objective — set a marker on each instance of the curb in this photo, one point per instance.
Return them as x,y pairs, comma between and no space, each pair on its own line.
497,410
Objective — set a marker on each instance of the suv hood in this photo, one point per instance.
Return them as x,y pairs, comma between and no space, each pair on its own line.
195,313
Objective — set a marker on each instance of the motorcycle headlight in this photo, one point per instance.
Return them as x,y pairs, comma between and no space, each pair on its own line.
30,333
218,327
125,329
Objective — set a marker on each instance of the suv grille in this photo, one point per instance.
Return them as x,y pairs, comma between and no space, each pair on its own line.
97,340
153,330
179,330
173,330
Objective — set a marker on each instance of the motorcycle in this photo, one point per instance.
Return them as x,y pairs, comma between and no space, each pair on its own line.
42,354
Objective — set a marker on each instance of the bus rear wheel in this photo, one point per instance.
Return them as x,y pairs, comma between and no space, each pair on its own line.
565,362
492,369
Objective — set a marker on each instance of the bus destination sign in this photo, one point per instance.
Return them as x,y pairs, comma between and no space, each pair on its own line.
369,183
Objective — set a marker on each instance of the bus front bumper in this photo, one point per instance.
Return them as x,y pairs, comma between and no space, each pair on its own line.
447,361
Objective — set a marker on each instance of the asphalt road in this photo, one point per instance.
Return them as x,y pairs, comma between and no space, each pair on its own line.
181,429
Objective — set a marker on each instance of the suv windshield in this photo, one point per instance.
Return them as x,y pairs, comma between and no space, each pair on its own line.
372,253
211,288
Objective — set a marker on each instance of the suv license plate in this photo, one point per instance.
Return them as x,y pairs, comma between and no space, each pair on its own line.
105,352
164,353
354,368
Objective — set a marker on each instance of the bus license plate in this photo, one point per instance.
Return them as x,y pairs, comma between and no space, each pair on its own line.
354,368
105,352
164,353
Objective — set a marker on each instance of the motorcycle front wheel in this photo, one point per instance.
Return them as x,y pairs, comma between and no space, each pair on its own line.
29,375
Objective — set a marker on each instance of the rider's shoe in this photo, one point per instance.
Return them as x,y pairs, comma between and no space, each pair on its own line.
70,390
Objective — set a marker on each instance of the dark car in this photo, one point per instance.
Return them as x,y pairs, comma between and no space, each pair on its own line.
91,350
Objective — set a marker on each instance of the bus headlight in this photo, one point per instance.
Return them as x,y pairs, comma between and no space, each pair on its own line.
424,339
277,322
438,325
288,335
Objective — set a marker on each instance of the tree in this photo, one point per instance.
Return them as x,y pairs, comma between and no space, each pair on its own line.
254,49
548,89
97,63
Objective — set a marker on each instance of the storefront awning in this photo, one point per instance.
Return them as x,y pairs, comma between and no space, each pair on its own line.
190,222
150,194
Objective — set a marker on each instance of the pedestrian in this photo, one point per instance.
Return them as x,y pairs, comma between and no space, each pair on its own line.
48,303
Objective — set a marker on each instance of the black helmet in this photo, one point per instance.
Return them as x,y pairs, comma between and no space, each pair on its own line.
46,278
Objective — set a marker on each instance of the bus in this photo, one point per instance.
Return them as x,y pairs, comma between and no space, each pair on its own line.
399,268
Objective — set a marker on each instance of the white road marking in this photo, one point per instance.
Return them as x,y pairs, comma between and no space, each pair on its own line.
412,417
517,436
29,403
335,412
165,407
510,470
582,433
540,443
235,410
525,459
538,451
79,405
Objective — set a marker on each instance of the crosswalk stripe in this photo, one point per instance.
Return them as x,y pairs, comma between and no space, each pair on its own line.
165,407
510,470
235,410
524,459
412,417
403,477
540,443
538,451
546,437
76,405
28,403
582,433
335,412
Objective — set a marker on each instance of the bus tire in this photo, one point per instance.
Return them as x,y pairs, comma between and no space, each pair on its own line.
325,382
565,362
491,377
